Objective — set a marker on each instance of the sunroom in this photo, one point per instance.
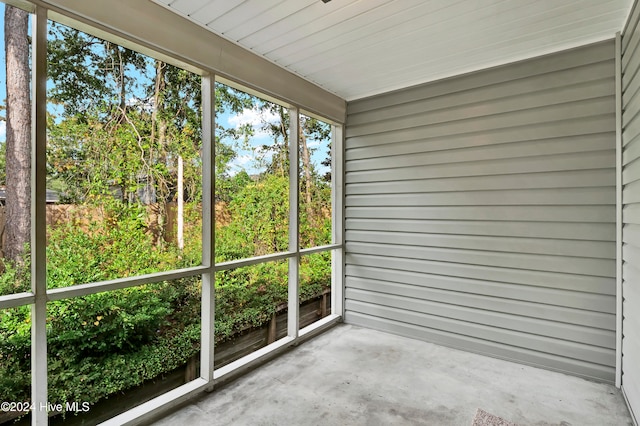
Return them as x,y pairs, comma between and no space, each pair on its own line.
238,178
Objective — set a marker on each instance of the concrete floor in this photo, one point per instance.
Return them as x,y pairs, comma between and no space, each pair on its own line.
357,376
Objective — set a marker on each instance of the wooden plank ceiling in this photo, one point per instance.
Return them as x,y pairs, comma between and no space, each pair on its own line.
359,48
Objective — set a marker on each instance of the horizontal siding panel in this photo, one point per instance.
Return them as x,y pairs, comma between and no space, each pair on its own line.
630,73
631,192
446,146
631,386
486,347
568,304
568,179
564,230
493,152
630,274
631,300
569,349
527,197
630,49
631,129
570,59
519,323
434,113
604,250
603,214
546,279
630,93
631,62
630,142
630,153
630,105
631,213
631,172
630,37
538,164
434,141
459,123
631,336
535,262
631,255
630,99
631,355
631,235
541,310
561,80
480,211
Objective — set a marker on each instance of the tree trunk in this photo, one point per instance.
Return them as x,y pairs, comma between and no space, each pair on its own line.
18,155
180,204
159,127
306,168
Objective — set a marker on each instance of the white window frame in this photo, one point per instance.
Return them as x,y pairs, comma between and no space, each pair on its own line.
39,295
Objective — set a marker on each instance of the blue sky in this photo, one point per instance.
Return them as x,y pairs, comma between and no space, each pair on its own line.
245,154
256,118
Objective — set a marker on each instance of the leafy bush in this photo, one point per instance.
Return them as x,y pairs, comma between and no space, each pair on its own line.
15,278
107,342
260,221
118,246
15,354
248,297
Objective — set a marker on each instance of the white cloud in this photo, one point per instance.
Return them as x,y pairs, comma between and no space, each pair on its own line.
312,143
254,117
3,130
238,163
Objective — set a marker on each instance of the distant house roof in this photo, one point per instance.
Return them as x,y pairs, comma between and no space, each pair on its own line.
52,196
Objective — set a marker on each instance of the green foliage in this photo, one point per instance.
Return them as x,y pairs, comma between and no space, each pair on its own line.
260,213
119,123
107,342
116,247
15,353
315,274
16,278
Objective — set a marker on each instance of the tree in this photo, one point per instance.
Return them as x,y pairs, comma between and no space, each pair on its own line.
125,122
312,186
18,145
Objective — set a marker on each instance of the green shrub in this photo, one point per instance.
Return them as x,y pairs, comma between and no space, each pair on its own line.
15,354
108,342
16,278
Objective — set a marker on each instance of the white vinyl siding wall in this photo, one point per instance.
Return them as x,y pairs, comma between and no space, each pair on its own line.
631,212
480,212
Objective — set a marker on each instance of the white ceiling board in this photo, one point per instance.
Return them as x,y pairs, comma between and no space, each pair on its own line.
348,33
187,6
298,28
264,20
358,33
299,18
212,10
401,36
245,11
499,36
358,48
